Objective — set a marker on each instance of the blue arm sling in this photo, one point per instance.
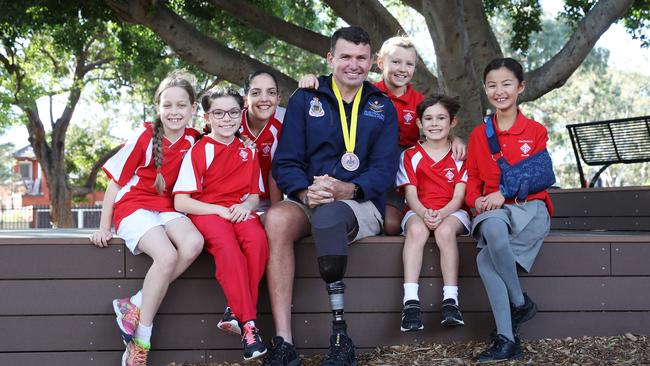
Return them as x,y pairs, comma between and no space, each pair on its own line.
531,175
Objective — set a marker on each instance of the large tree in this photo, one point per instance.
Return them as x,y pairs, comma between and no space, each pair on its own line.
463,38
51,49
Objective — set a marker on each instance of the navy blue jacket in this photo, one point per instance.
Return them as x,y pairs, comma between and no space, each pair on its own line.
312,144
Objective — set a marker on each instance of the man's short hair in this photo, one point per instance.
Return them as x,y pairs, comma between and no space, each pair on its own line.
352,34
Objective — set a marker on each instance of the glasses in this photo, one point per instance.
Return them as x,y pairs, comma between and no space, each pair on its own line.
219,113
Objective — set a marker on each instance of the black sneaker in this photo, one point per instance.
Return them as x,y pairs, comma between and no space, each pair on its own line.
501,349
253,346
523,313
411,317
341,352
451,315
282,354
229,323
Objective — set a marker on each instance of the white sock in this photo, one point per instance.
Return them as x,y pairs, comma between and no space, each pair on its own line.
250,322
143,334
410,292
137,299
450,292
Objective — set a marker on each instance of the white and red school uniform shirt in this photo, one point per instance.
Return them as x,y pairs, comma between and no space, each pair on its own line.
525,138
266,142
218,173
133,169
435,181
406,105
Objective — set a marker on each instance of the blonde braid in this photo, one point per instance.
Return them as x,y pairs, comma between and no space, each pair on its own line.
157,142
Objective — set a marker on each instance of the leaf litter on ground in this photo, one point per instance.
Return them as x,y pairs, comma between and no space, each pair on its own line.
627,349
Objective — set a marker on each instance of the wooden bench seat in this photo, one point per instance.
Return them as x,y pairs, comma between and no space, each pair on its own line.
56,291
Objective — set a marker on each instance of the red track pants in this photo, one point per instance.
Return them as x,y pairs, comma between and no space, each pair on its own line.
240,252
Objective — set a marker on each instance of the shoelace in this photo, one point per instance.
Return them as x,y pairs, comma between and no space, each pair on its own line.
250,335
138,355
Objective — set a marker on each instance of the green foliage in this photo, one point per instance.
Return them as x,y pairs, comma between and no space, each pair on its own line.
6,162
524,19
636,21
87,144
291,60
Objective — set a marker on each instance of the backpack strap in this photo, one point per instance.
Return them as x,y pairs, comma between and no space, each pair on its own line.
493,143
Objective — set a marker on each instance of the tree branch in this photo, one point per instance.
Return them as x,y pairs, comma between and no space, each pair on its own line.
554,73
89,186
97,64
252,16
195,47
380,24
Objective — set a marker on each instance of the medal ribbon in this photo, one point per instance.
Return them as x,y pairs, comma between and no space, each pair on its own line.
349,137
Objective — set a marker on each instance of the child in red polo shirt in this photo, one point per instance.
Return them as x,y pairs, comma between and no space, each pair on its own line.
434,184
510,233
262,128
218,187
139,202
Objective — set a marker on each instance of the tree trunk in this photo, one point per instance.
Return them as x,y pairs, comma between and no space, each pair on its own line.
51,158
456,71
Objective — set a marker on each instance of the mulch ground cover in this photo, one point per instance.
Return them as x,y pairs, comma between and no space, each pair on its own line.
628,349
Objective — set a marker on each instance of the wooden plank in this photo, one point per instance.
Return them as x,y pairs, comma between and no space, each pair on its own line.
551,294
87,297
555,259
311,330
637,223
630,259
598,202
571,259
138,265
60,261
107,358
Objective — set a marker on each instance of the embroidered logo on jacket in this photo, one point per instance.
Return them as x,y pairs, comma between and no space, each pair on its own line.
374,110
525,148
316,108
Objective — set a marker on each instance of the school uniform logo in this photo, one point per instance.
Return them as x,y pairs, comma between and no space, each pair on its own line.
266,148
525,148
408,117
375,110
449,175
243,154
316,108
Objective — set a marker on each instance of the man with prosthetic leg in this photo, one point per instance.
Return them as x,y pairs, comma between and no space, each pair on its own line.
336,158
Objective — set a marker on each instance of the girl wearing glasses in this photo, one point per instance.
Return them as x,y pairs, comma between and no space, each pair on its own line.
219,185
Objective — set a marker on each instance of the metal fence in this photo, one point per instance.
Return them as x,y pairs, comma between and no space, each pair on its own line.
39,217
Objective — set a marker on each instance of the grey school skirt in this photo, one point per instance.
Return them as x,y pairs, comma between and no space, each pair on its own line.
528,225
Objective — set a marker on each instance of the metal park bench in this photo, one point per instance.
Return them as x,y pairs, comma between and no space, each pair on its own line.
610,142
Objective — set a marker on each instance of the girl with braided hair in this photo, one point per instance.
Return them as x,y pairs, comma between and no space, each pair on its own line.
139,202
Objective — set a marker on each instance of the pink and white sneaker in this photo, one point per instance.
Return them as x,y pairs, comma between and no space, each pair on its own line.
229,323
128,316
